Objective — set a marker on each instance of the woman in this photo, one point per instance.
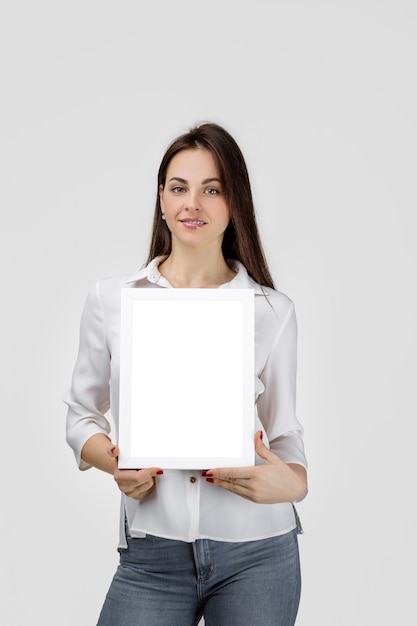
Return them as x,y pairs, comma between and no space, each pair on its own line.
221,543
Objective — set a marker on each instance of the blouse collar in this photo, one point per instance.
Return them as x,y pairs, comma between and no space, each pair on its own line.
242,280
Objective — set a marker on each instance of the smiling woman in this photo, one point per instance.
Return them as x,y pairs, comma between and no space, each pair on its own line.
192,200
221,543
241,238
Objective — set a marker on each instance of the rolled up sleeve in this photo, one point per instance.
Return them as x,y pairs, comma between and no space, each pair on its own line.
88,398
277,403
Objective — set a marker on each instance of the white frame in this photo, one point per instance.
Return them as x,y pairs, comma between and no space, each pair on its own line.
213,331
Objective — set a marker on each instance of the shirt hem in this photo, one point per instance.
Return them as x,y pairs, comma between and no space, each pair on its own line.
212,537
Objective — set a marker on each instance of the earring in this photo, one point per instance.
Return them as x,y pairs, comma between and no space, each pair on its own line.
163,216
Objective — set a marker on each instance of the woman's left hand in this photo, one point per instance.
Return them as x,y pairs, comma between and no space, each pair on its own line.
273,481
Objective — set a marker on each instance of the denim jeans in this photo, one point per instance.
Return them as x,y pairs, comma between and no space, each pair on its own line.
163,582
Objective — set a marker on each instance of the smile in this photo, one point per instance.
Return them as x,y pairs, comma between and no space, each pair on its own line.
193,223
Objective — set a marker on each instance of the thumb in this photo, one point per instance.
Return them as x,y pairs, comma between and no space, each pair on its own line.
155,471
262,451
113,451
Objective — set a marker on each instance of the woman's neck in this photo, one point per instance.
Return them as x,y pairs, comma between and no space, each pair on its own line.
196,269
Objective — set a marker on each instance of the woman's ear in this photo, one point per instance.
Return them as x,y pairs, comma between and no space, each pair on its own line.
161,202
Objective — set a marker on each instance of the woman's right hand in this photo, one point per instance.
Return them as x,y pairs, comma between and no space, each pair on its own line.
137,484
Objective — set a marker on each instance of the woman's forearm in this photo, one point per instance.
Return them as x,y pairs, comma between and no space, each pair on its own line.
302,475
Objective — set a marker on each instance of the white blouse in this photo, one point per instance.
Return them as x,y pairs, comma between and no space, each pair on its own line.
184,506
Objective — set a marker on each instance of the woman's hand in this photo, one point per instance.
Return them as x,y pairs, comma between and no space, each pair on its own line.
137,484
273,481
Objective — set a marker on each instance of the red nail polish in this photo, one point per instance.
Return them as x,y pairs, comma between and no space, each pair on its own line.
261,435
159,472
210,480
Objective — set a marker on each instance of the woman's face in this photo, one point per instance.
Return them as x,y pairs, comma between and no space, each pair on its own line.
196,211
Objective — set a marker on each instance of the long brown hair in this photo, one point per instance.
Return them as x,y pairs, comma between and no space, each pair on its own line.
241,239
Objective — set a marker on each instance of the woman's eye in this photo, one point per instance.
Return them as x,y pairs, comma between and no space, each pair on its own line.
212,191
177,189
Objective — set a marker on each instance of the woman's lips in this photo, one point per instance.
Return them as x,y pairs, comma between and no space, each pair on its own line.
189,223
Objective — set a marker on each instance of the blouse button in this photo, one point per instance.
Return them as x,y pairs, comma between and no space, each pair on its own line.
193,479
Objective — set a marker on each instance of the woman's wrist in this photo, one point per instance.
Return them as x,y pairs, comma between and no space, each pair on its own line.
95,453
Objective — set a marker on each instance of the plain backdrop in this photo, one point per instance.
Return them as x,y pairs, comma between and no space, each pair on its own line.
321,96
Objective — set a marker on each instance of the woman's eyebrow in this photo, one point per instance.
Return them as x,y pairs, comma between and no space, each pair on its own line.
203,182
180,180
210,180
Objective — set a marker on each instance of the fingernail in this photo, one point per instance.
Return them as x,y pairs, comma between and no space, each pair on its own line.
210,480
208,474
261,435
159,472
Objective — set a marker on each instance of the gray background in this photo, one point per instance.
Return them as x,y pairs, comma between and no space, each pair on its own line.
322,98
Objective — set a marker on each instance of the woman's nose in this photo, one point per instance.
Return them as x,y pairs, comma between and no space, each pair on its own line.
192,203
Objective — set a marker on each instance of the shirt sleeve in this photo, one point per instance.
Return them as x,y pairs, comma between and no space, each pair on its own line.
277,403
88,398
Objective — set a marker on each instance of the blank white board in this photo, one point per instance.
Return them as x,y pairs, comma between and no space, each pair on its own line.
186,378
